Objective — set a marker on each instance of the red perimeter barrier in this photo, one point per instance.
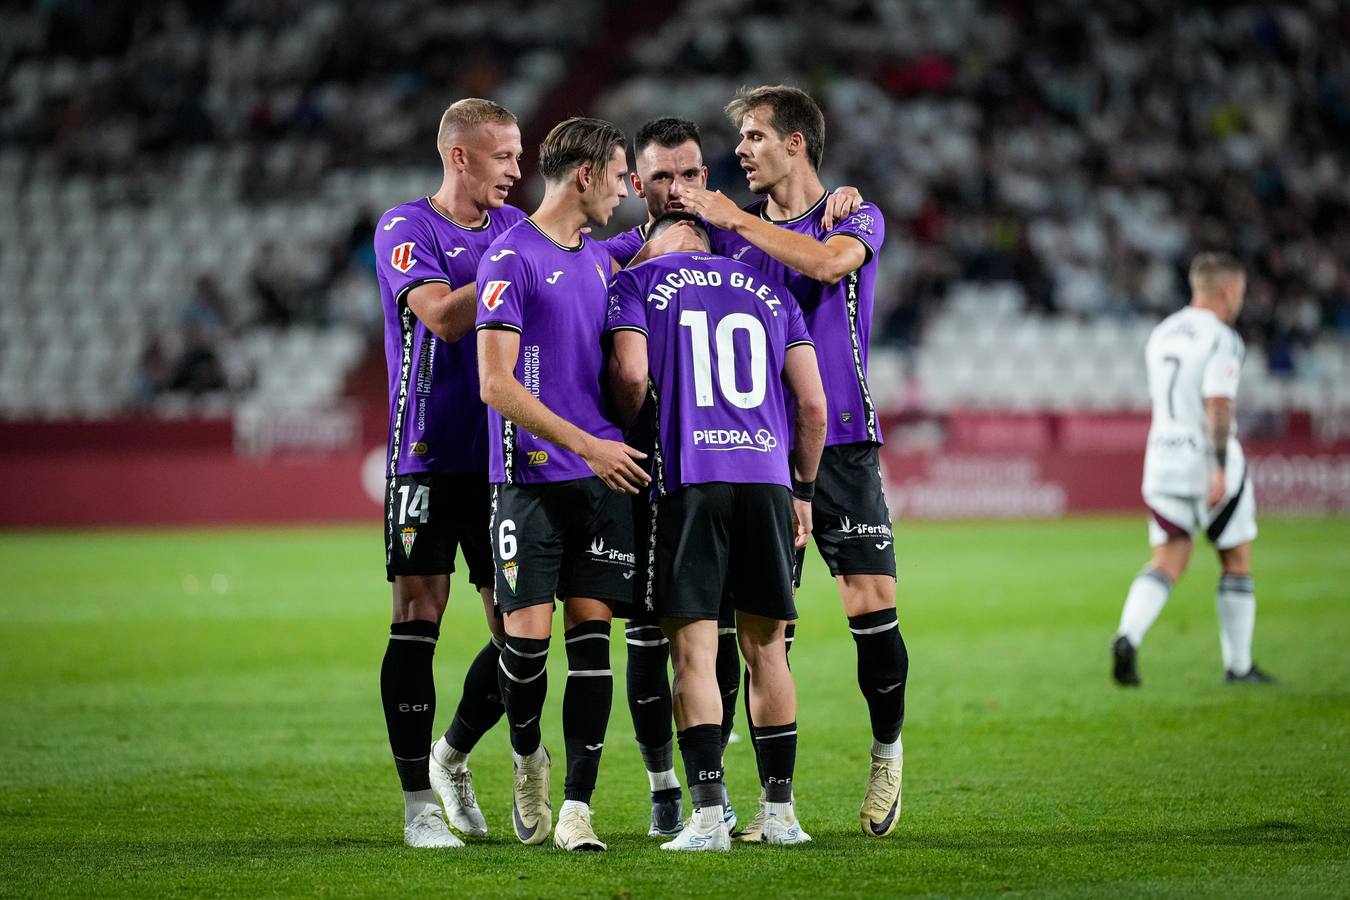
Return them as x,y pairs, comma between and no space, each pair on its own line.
958,466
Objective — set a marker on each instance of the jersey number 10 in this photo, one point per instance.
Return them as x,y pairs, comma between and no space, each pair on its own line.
696,320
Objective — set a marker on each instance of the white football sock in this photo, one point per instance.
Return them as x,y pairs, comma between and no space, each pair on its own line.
1146,598
448,756
887,751
414,802
569,805
708,817
1236,604
778,809
663,781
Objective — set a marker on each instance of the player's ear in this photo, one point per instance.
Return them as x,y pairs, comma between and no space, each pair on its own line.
796,143
636,179
584,176
458,158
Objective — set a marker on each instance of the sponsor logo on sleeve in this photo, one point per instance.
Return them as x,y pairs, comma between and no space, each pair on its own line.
402,258
860,221
502,254
394,221
493,293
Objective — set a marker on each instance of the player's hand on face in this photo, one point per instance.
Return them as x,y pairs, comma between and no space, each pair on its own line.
714,206
841,204
678,238
1217,488
616,464
801,522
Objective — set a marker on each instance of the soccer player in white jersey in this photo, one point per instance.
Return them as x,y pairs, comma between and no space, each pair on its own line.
1195,476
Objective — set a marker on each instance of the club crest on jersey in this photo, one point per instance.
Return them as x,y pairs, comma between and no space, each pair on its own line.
402,258
492,293
510,571
409,535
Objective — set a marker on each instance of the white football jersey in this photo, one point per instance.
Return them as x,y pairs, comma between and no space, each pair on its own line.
1191,355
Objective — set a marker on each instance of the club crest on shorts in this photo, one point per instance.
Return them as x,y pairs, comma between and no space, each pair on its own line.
510,570
409,535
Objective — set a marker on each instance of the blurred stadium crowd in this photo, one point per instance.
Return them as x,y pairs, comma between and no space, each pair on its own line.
192,185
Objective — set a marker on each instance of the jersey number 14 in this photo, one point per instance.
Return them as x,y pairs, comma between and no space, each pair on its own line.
696,320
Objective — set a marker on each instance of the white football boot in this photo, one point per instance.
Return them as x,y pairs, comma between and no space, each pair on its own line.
455,788
692,839
531,811
881,804
429,829
783,829
574,831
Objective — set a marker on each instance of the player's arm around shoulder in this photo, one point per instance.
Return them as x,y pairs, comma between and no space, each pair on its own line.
827,260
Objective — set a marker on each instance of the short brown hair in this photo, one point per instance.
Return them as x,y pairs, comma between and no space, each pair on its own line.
790,109
667,131
468,113
1208,268
577,142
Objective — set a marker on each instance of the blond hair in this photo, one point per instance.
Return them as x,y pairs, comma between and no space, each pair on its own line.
466,114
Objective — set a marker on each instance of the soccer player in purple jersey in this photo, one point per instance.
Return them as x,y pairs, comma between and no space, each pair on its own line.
832,272
669,159
716,340
427,255
561,523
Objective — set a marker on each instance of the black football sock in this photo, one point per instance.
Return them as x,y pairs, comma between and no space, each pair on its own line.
701,749
480,706
883,668
778,757
408,691
586,702
728,678
523,679
649,700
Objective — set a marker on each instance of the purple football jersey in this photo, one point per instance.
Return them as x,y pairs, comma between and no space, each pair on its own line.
839,316
717,335
626,244
437,423
555,298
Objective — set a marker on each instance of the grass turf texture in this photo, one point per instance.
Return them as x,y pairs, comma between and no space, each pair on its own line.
197,713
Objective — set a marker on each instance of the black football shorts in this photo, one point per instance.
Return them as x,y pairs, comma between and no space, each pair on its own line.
428,515
850,521
561,539
718,543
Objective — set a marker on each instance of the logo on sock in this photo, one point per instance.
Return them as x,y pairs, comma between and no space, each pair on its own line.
409,535
510,570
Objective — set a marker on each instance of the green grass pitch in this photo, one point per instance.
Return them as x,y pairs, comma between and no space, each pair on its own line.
196,713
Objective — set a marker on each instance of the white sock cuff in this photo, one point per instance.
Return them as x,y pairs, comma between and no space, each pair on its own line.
892,750
569,805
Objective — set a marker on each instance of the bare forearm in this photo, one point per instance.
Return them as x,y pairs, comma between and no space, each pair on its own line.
804,254
626,393
1219,425
449,315
509,397
808,445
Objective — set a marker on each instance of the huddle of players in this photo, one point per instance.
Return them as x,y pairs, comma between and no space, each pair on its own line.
691,350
